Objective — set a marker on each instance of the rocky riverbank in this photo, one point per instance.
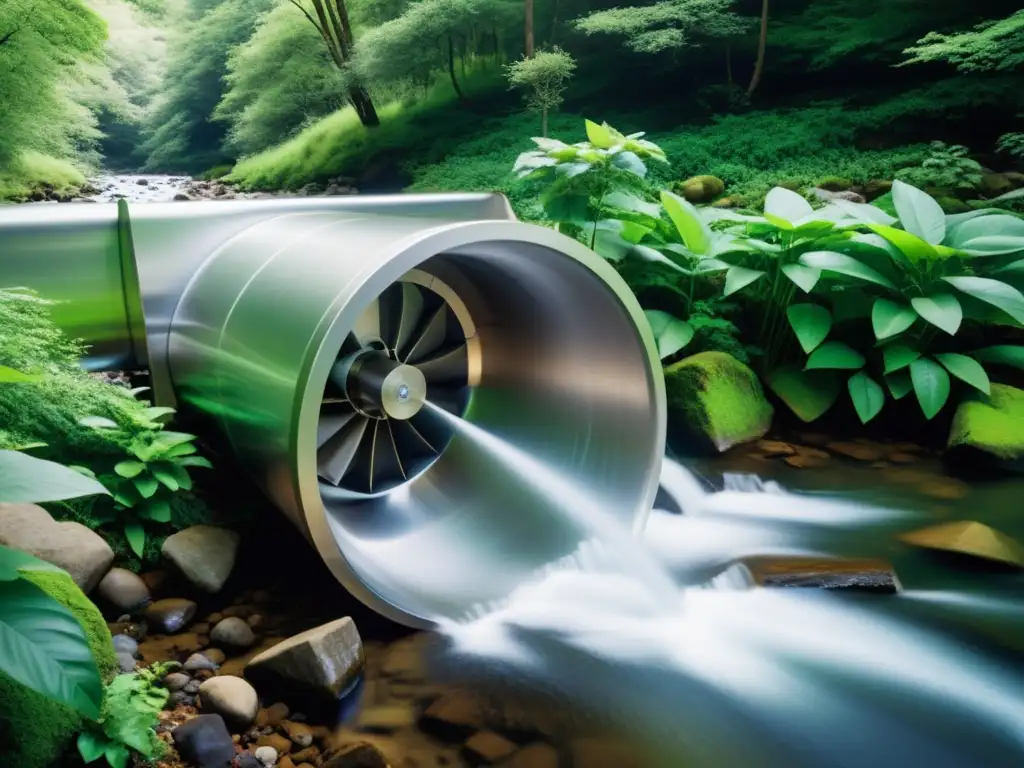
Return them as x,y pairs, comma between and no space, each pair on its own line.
161,189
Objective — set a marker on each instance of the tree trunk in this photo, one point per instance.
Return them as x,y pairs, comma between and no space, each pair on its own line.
762,44
451,71
728,66
363,105
544,123
528,8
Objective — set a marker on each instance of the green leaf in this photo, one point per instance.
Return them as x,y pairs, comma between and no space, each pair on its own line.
899,384
136,391
13,562
612,238
131,710
671,333
994,292
805,278
966,369
834,354
628,202
146,485
810,323
989,235
568,209
158,412
809,394
911,246
941,310
599,135
919,213
844,265
640,252
868,397
43,647
779,222
195,461
738,278
11,376
931,385
157,511
628,161
889,318
1002,354
166,477
693,231
572,170
97,422
136,536
898,355
117,755
129,469
864,212
786,205
91,745
25,478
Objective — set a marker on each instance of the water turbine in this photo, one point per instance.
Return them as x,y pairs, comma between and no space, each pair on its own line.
308,335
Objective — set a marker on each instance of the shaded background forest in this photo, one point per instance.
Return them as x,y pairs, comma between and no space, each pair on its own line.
414,94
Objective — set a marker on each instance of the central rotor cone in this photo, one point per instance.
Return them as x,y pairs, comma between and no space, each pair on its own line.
381,387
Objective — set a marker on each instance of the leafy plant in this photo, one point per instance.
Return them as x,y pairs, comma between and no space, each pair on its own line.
142,484
1012,144
544,76
946,166
131,705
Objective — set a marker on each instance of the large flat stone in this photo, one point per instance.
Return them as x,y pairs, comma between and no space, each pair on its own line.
204,554
71,546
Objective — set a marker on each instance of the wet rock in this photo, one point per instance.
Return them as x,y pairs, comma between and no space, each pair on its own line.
142,182
255,621
536,755
488,747
204,554
181,197
215,655
321,663
204,741
299,733
900,457
276,713
266,755
775,448
969,537
701,189
123,589
70,546
730,201
232,698
233,632
192,687
876,188
176,681
861,451
280,744
360,755
126,644
170,615
198,661
995,184
126,661
715,402
179,699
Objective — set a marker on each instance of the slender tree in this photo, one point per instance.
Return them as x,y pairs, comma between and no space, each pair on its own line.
333,24
762,45
544,78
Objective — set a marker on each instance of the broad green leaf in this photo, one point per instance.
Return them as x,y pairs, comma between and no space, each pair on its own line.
811,324
941,310
146,485
570,209
43,647
695,234
844,265
864,212
11,376
671,333
613,239
898,355
117,755
628,161
1016,266
641,252
572,170
834,354
966,369
994,292
890,319
182,476
779,222
867,395
599,135
629,202
195,461
805,278
899,384
167,438
931,385
91,745
809,394
994,245
911,246
786,205
989,235
1016,194
165,476
136,536
98,422
25,478
13,562
919,213
1002,354
738,278
129,469
157,511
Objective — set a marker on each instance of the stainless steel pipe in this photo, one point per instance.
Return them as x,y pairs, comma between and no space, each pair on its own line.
325,338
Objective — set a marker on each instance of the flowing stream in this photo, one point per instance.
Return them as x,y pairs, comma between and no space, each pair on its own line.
138,188
664,641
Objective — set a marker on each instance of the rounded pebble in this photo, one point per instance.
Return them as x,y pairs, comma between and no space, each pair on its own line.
233,631
266,755
198,661
176,681
123,589
126,661
126,644
192,687
232,698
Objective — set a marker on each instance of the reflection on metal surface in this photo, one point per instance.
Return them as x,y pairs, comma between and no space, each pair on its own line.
313,333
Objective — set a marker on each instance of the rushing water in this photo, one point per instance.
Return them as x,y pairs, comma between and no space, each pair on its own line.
138,188
649,638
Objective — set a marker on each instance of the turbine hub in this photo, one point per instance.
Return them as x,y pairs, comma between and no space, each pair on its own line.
384,388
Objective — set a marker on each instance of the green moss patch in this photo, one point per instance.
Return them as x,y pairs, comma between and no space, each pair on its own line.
992,424
714,403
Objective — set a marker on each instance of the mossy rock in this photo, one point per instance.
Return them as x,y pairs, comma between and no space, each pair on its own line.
714,403
793,185
835,184
991,425
875,188
35,731
732,201
995,184
701,189
953,205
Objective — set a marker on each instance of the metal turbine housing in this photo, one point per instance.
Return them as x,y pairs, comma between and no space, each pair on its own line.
283,323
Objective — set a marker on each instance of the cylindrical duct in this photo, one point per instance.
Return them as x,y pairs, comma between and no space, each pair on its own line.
311,337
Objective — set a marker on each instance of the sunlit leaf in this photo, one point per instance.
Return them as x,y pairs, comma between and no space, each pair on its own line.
844,265
695,234
129,469
670,333
11,376
835,354
599,135
25,478
994,292
919,213
941,310
97,422
912,246
805,278
809,394
966,369
786,205
890,319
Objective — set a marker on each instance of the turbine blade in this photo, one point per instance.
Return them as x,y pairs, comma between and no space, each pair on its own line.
336,455
409,443
451,399
448,366
431,337
331,424
412,311
350,346
388,464
367,327
390,303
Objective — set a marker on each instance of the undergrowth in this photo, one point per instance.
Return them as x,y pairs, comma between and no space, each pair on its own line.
34,171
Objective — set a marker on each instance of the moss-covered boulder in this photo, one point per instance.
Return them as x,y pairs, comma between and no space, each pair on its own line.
36,732
714,403
991,425
701,189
